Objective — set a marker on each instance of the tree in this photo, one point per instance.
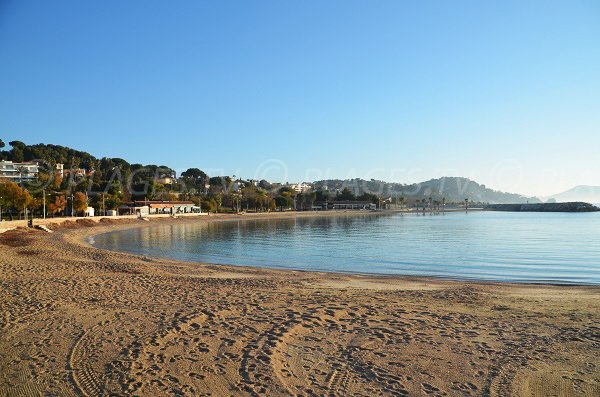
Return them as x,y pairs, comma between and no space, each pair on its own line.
17,154
37,203
17,197
286,190
23,200
59,205
22,170
283,201
80,202
210,205
322,196
112,201
17,144
194,174
262,200
263,184
370,197
346,194
250,197
216,181
305,200
2,144
194,178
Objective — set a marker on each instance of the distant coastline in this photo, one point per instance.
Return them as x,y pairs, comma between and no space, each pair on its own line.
576,206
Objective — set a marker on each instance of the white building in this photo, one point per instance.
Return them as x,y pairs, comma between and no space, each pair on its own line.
238,185
18,172
301,187
60,169
165,180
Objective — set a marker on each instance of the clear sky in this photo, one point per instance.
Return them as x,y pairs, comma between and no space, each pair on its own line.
507,94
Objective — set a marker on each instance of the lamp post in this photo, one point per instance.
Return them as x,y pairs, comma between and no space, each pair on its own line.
44,199
1,208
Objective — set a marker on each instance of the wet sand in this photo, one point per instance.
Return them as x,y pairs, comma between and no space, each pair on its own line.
78,321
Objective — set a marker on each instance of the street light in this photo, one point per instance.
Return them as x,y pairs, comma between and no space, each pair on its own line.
44,198
72,206
1,208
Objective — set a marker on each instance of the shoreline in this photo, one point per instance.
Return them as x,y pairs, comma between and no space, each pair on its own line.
77,232
90,232
15,224
79,320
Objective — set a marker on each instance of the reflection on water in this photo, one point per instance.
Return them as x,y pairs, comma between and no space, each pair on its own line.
522,247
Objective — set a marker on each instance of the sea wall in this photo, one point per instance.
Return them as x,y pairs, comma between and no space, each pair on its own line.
545,207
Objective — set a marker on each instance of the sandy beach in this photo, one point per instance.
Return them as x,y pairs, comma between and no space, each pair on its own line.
79,321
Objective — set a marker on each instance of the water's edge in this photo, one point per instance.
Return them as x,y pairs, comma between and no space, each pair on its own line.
293,244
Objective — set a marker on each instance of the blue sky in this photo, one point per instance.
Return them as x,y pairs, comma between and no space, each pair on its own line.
507,93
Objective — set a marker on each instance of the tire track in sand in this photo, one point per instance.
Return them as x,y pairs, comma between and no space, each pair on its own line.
82,376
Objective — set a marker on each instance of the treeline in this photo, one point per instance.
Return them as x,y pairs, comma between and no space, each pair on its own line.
106,183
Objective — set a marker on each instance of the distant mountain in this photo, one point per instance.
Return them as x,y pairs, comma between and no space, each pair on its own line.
588,194
453,189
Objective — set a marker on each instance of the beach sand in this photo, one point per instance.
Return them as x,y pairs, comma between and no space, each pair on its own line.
78,321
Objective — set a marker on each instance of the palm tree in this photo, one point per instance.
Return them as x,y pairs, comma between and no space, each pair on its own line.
22,170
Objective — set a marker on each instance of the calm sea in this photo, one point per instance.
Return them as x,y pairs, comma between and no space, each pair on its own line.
499,246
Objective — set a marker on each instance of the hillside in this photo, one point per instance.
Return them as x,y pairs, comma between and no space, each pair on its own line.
115,178
71,158
589,194
451,188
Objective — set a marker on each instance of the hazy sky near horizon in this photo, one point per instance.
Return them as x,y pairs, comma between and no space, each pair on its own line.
507,94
